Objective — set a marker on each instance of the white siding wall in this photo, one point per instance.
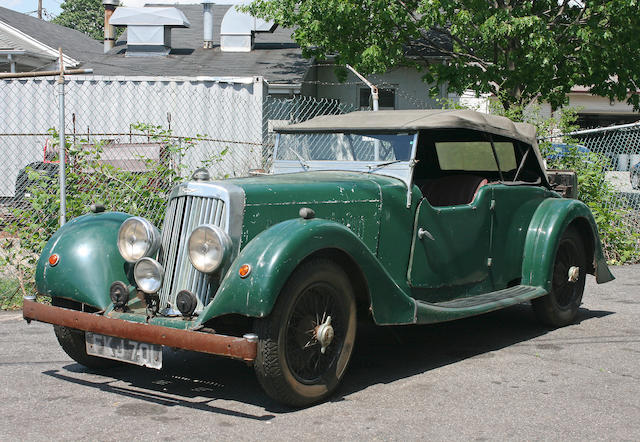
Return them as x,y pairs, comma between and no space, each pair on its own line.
411,91
223,109
592,104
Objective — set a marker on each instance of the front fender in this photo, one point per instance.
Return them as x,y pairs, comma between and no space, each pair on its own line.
275,253
89,260
547,225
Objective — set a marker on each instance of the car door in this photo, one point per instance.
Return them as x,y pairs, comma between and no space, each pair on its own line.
451,244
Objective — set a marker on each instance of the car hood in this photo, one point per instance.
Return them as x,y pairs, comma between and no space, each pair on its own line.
313,188
353,199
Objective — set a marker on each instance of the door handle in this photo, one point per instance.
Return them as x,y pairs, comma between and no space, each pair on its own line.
422,233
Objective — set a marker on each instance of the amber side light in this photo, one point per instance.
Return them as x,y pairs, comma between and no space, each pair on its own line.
244,270
54,259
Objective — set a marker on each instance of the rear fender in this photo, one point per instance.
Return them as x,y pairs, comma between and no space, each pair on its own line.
275,253
547,225
89,260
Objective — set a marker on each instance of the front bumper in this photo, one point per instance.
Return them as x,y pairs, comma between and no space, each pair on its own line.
230,346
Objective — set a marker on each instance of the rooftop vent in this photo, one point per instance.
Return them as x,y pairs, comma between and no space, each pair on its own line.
238,28
207,22
149,29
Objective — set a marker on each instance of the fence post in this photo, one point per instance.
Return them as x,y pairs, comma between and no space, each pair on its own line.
62,155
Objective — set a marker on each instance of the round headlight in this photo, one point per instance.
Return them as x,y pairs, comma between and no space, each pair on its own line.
209,247
148,274
137,238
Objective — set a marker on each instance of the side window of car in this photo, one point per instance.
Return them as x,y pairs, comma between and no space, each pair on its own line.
475,156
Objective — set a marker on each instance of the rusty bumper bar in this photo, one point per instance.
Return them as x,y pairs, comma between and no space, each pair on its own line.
237,348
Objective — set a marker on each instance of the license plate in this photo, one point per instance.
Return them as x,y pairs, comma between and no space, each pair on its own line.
133,352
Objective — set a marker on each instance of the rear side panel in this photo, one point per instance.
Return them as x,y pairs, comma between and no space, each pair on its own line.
549,222
513,209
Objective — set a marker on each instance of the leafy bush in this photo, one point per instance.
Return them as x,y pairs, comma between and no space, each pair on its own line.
89,180
620,239
9,294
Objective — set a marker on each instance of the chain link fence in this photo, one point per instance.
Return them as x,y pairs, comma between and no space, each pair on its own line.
128,142
614,151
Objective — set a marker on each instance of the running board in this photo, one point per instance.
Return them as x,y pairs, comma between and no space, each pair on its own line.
427,313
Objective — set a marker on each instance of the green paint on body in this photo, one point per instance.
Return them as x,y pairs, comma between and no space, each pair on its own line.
89,260
506,236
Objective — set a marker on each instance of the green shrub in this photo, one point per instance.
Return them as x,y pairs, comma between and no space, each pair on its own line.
10,294
620,238
90,180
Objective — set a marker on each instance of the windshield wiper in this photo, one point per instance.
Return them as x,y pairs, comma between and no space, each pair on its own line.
379,165
304,165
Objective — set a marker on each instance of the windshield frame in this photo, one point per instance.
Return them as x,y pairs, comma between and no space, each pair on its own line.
400,169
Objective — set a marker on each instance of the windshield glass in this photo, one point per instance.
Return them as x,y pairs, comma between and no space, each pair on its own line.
344,147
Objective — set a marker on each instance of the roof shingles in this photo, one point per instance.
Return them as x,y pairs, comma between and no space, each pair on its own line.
74,44
275,56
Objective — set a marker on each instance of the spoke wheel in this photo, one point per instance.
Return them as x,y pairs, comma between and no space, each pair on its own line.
560,306
308,357
305,343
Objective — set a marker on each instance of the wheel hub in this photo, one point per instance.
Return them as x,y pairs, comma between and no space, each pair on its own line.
573,274
324,334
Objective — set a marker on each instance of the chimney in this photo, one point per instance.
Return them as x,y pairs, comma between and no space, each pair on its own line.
208,24
109,30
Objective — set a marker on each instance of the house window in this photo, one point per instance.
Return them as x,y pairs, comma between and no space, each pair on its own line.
386,99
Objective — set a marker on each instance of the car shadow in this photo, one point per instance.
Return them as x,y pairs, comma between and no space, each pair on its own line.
381,355
386,354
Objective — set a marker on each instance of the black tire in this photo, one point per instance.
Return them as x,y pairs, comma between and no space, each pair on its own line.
635,180
560,306
72,342
290,365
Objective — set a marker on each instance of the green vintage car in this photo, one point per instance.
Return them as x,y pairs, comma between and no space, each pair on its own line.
402,217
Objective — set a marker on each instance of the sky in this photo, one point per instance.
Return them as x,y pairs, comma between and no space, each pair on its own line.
52,7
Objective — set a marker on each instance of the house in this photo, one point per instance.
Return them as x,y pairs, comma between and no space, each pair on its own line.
196,68
171,80
30,44
595,111
272,56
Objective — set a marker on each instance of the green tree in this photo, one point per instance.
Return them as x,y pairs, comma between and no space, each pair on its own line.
518,50
86,16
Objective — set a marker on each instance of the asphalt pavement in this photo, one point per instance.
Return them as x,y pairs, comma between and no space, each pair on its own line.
494,377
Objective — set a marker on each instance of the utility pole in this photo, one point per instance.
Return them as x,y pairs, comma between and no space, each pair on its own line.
40,9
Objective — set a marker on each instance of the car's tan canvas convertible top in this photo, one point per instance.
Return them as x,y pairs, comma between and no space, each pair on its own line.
411,120
416,120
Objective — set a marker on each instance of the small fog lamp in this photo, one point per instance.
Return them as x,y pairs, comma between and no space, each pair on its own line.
148,275
119,293
186,302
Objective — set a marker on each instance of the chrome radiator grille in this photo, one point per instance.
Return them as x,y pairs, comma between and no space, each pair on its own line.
184,214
